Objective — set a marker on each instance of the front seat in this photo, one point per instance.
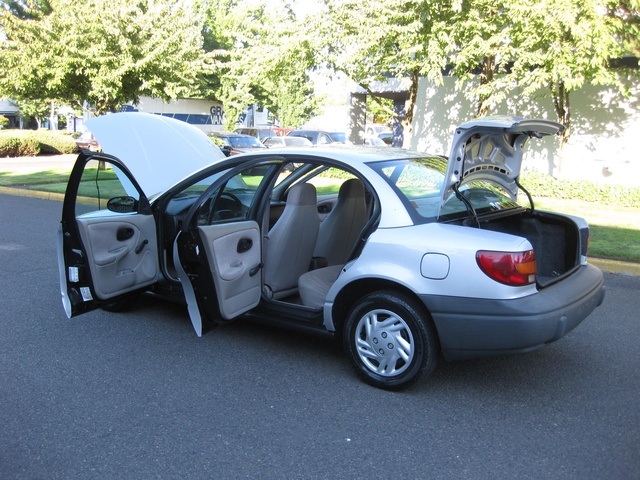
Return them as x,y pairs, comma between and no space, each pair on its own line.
340,229
291,242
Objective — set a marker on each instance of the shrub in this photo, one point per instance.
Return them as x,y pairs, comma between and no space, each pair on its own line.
14,143
55,142
4,122
22,143
541,185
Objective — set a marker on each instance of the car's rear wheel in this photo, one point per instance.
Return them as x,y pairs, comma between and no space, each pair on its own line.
390,340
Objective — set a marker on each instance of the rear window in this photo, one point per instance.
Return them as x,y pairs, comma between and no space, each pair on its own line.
420,183
485,197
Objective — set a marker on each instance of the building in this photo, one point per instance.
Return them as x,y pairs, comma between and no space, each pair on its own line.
602,145
11,111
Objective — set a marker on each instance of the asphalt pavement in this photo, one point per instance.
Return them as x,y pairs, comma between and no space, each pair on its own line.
139,395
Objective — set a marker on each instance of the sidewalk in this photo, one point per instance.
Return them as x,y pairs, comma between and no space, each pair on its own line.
65,163
43,163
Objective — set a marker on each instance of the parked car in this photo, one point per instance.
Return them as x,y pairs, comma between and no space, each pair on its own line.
88,142
402,256
374,142
375,129
261,133
319,137
235,143
279,142
386,137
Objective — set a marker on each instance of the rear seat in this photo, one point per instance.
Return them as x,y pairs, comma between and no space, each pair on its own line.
313,286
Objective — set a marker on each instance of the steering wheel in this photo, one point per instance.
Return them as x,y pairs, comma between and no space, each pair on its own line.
226,206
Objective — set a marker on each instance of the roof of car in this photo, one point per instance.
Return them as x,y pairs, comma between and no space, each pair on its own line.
351,154
229,134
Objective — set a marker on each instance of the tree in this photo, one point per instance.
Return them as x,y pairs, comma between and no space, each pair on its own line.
262,55
480,50
370,40
625,18
560,46
552,46
100,54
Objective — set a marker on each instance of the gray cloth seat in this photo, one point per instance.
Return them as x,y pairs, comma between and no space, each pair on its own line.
313,286
291,242
339,231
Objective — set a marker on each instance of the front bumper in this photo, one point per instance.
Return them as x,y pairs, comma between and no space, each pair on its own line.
475,327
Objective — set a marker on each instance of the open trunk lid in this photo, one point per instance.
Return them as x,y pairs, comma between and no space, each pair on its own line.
490,148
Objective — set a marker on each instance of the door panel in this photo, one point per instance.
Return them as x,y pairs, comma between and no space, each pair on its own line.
105,250
234,254
120,252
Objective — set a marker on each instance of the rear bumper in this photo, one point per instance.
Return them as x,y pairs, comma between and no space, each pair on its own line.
472,327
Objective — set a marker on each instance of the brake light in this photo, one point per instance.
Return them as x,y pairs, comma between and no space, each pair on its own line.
515,269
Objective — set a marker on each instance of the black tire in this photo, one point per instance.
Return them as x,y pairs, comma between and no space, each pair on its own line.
400,329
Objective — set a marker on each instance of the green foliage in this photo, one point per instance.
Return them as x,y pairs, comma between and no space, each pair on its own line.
22,143
262,56
542,185
370,40
15,144
54,143
99,54
624,16
4,122
553,47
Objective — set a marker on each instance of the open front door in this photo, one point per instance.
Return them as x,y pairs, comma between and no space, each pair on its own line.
107,247
218,253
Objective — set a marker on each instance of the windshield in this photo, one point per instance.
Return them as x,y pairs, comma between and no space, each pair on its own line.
419,182
245,142
339,137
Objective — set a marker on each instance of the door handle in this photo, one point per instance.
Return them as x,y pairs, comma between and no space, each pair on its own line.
124,233
140,247
244,245
255,269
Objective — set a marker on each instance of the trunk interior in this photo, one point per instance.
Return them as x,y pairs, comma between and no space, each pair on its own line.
555,240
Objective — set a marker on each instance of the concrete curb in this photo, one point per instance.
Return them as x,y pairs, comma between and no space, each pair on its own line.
23,192
615,266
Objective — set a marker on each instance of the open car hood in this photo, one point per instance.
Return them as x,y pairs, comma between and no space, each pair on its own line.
490,148
159,151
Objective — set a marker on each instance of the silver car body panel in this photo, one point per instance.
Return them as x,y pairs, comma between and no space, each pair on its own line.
398,255
491,149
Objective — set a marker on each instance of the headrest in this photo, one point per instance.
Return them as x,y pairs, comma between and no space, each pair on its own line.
302,194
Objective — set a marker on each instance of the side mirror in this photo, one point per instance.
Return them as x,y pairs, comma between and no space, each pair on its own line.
122,204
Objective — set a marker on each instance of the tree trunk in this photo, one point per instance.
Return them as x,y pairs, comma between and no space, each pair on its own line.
407,121
486,77
562,104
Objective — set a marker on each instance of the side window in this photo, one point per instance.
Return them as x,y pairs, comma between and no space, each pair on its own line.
323,139
329,181
102,181
237,199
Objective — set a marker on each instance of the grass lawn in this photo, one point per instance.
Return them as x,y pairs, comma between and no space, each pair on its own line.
615,231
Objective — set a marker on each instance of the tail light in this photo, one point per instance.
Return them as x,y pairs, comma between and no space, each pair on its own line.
515,269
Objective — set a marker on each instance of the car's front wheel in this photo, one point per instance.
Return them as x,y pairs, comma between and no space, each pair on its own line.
390,340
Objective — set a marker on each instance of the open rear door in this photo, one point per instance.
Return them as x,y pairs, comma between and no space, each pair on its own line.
107,247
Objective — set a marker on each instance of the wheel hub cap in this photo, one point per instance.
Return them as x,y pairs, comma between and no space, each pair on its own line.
384,343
